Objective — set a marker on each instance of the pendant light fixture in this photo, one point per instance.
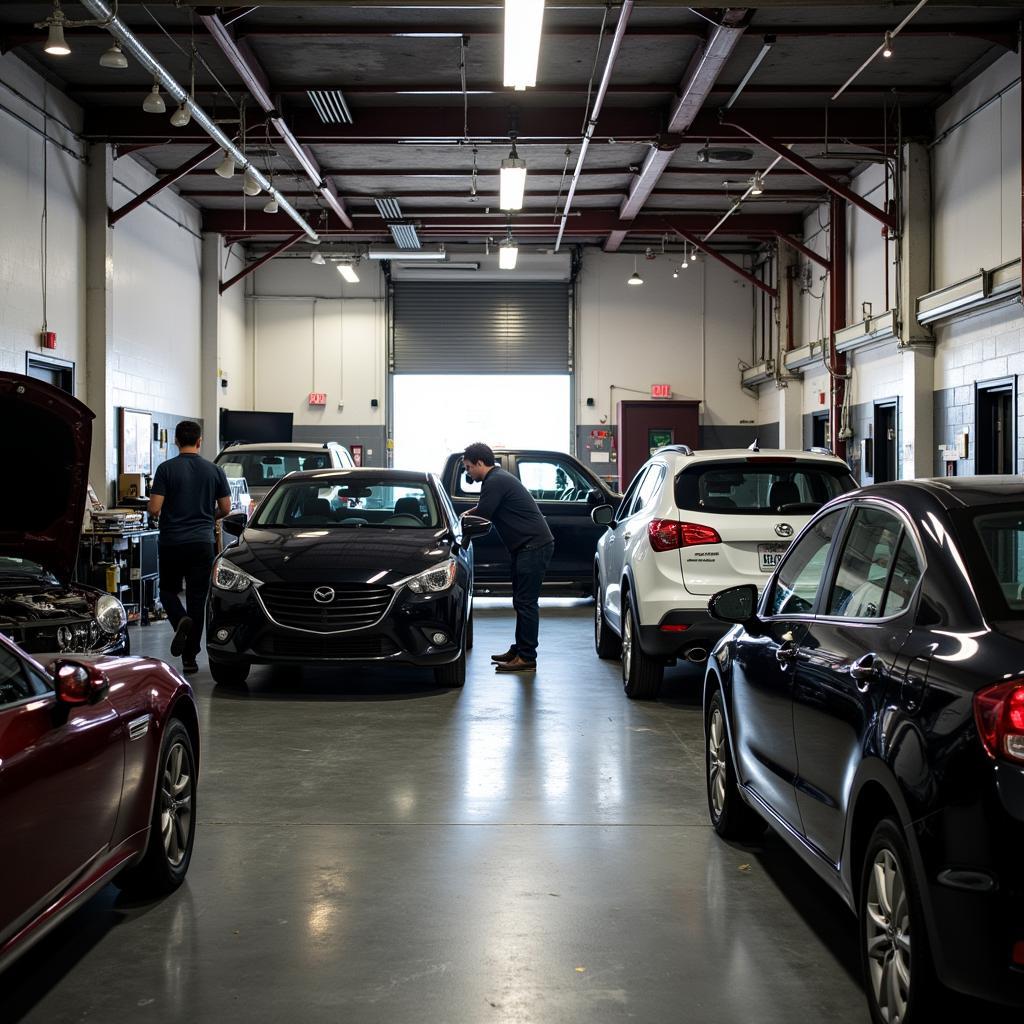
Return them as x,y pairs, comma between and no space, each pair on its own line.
524,21
317,259
508,254
756,185
154,102
183,116
226,168
250,186
56,45
113,58
635,278
512,181
271,206
887,45
686,259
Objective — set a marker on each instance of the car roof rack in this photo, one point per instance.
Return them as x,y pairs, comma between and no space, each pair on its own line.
819,450
682,449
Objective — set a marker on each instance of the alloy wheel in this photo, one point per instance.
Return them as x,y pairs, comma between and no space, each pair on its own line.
176,804
716,761
598,618
627,642
887,933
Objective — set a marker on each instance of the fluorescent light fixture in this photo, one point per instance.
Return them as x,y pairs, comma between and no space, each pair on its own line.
226,168
318,259
182,116
405,236
512,182
271,206
348,272
635,278
154,102
384,252
389,208
113,58
330,106
55,44
524,20
250,186
508,255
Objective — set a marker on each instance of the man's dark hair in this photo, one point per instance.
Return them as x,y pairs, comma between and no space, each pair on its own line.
479,452
187,434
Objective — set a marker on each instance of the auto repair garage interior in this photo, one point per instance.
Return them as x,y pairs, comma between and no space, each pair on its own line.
790,226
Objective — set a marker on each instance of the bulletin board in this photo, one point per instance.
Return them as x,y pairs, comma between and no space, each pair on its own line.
136,443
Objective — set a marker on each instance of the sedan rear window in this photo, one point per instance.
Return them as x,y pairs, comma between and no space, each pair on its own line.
265,468
1002,540
767,485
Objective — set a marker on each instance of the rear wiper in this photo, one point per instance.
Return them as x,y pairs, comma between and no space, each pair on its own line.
800,506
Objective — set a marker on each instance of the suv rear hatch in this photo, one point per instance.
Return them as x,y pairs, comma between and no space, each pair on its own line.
756,505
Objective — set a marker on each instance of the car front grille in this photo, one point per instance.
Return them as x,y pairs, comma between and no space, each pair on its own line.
314,647
353,606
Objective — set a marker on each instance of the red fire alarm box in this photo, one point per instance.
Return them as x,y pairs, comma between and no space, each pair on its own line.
318,398
357,453
661,391
48,339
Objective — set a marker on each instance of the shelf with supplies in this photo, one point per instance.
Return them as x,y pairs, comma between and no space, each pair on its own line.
120,560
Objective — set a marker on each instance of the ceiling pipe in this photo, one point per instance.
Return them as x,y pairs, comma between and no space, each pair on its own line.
245,64
602,91
131,45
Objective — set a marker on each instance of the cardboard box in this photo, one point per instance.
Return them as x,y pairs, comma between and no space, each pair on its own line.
131,485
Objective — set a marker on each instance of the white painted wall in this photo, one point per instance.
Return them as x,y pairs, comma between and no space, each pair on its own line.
811,308
869,265
235,362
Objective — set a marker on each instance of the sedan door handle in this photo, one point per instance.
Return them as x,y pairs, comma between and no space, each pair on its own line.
865,672
786,654
626,536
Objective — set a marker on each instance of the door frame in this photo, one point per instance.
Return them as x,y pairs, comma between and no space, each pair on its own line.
42,360
997,384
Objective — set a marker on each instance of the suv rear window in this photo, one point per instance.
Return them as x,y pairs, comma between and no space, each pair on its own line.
265,468
761,486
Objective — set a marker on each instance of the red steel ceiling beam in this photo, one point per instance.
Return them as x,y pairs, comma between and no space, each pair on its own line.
113,216
799,247
244,61
704,71
885,217
690,237
265,258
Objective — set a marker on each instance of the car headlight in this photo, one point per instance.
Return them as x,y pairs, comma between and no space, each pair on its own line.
434,580
110,614
229,577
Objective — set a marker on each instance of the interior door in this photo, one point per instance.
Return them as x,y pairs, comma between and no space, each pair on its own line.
60,790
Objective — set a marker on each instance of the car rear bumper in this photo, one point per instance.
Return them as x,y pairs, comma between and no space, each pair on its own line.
680,632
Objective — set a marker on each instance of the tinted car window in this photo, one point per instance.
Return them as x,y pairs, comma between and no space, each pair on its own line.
648,489
869,552
466,488
265,468
1002,540
905,576
761,486
799,577
553,480
358,502
627,498
18,681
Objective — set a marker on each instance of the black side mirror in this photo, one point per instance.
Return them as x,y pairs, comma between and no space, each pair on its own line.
594,497
77,684
474,526
234,523
603,515
736,605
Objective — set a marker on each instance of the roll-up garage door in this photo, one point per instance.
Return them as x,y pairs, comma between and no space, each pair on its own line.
486,327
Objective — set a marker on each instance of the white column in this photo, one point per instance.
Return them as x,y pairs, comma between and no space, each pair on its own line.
209,362
918,401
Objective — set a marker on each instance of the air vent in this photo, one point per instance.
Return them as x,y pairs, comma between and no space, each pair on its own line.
723,155
405,236
330,106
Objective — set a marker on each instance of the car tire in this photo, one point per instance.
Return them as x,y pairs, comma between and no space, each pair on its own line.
641,674
172,826
453,674
730,817
469,630
229,673
896,960
606,642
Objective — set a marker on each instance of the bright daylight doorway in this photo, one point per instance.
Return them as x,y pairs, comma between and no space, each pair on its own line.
438,415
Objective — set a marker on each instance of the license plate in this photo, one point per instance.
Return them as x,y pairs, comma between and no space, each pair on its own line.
769,555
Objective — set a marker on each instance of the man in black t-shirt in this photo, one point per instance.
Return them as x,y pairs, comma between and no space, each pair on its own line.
524,531
189,495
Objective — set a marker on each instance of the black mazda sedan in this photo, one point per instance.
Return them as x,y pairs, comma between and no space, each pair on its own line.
870,709
360,565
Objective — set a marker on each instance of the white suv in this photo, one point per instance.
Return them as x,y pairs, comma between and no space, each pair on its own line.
691,524
265,463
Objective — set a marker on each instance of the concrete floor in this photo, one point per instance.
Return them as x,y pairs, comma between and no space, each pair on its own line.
373,849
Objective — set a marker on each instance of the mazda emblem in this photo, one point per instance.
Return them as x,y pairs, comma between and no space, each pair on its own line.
323,595
784,529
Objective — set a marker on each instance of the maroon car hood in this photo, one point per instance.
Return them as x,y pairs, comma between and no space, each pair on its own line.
45,437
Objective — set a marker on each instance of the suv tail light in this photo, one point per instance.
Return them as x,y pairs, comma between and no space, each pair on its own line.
999,714
667,534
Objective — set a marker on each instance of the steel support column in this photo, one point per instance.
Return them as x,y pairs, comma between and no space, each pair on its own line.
837,321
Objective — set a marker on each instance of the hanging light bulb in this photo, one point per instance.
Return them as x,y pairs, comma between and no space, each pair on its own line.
887,45
154,102
675,274
250,186
226,168
271,206
182,116
756,185
318,259
508,254
113,58
635,278
55,44
686,259
512,181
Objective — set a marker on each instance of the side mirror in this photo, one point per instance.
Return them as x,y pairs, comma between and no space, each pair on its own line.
593,497
603,515
474,526
77,683
735,605
234,523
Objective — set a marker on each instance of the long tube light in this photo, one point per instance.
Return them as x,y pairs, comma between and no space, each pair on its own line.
133,46
766,46
380,252
524,20
508,255
512,183
348,272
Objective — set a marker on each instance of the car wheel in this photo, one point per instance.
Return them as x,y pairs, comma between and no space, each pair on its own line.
899,979
641,675
229,673
606,643
172,827
731,818
453,674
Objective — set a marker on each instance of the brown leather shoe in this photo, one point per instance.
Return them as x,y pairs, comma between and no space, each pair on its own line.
504,659
517,664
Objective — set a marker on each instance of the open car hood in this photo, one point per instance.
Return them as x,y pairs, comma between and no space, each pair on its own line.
45,438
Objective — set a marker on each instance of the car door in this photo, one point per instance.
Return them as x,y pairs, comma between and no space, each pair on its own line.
490,556
613,551
848,660
561,491
61,774
763,672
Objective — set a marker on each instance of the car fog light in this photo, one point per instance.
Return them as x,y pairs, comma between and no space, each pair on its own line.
223,634
439,638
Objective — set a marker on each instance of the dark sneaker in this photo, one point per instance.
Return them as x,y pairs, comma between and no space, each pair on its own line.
517,664
501,659
180,637
189,666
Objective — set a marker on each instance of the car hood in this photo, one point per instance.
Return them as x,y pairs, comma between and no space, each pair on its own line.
45,438
339,554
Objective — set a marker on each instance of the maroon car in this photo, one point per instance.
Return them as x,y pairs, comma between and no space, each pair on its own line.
98,766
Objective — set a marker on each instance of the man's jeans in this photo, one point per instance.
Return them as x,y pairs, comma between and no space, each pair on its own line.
528,568
191,564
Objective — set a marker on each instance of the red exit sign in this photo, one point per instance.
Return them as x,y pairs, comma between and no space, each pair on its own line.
318,398
661,391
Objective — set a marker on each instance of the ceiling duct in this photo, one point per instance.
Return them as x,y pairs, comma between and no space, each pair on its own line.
330,106
723,155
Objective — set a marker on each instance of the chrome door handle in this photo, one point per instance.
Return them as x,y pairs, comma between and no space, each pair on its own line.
626,536
785,654
865,672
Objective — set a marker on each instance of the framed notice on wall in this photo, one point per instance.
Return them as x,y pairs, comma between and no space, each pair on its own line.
136,447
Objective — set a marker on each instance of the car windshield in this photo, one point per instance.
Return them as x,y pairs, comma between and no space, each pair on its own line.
1002,540
364,501
264,468
766,485
23,567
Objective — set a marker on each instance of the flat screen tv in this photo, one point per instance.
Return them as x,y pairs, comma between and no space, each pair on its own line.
254,426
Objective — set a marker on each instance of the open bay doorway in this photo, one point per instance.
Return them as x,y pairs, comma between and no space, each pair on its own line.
437,415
